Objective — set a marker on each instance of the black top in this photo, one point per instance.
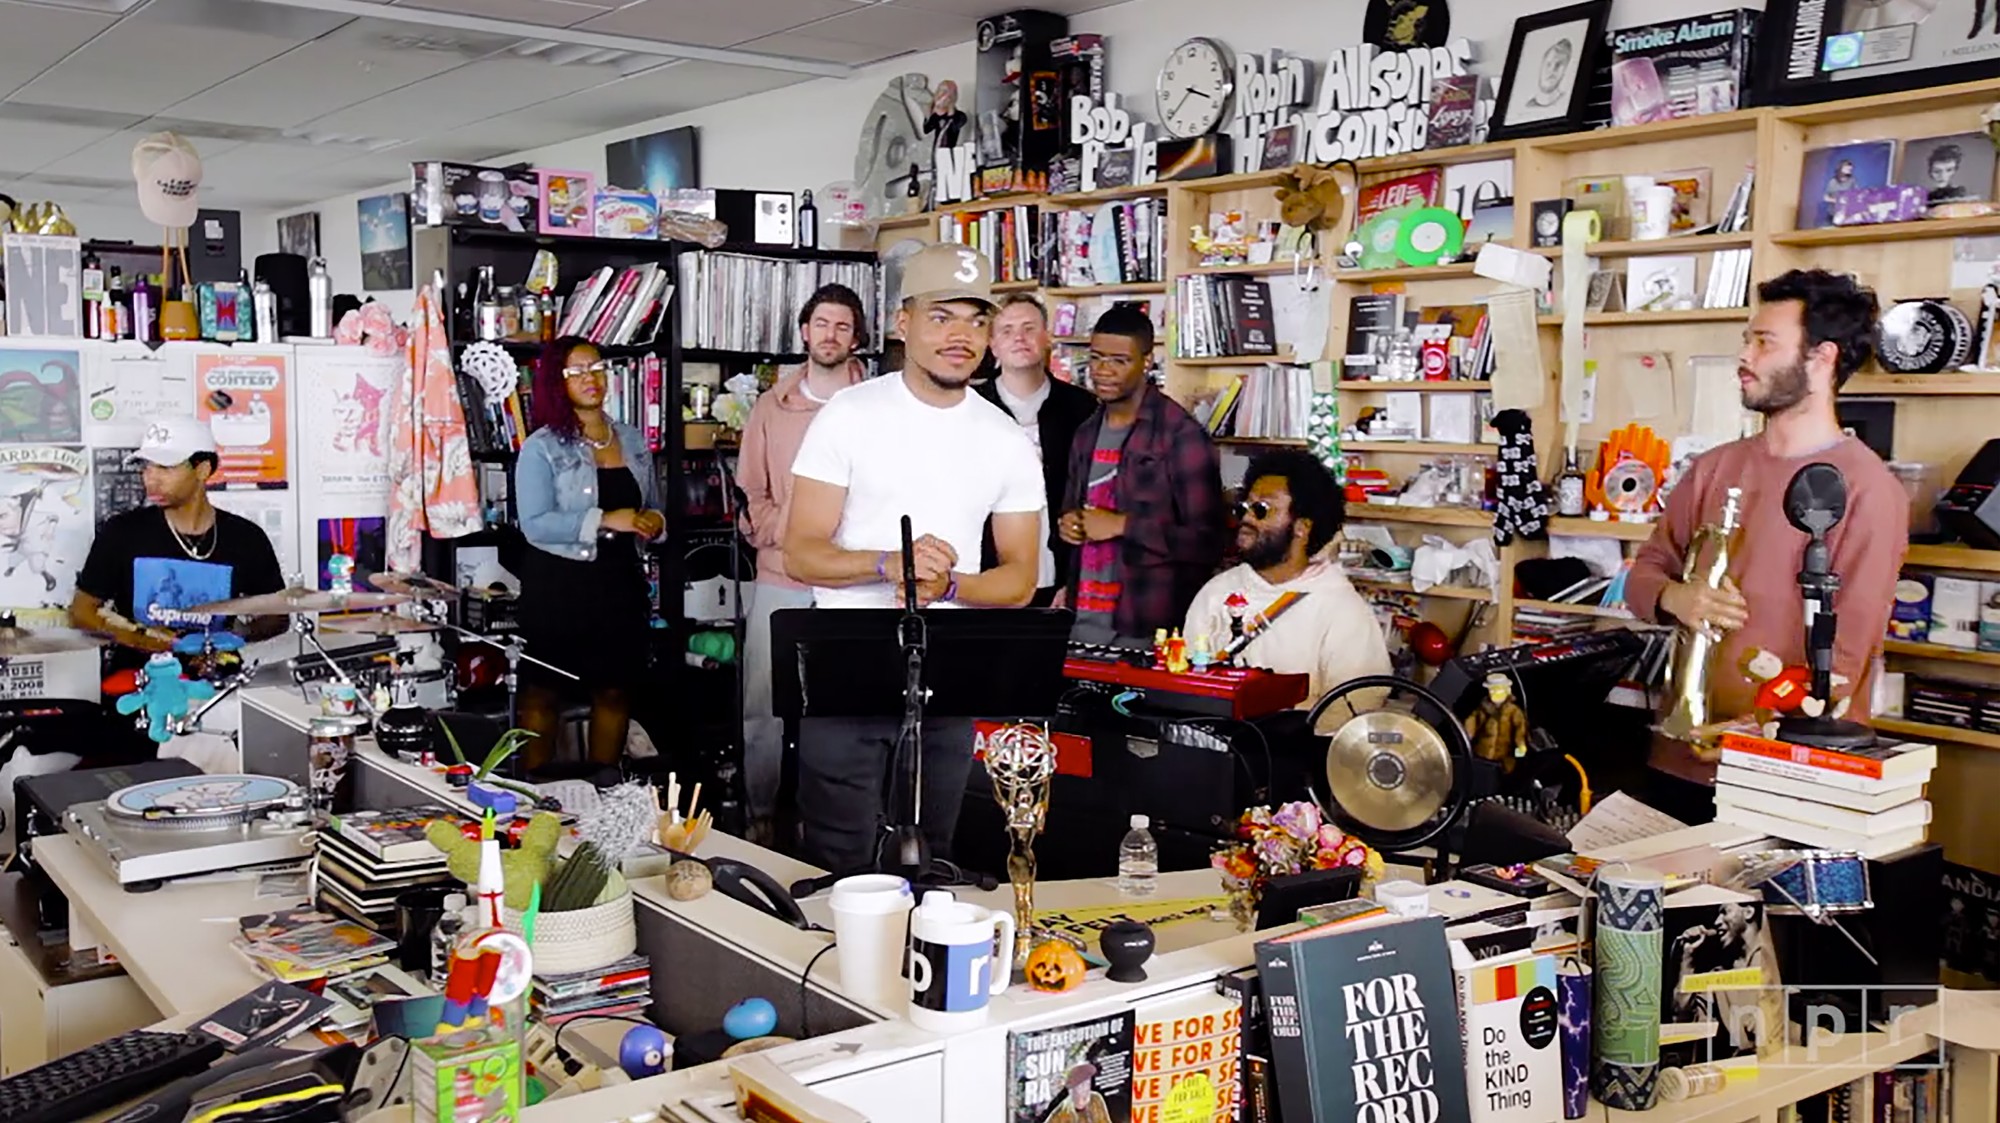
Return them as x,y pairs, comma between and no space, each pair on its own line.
1067,408
139,568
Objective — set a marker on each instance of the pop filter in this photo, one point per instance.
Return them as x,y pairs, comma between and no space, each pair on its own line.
1816,499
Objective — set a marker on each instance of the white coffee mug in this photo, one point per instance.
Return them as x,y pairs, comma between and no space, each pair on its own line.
871,927
1652,212
960,956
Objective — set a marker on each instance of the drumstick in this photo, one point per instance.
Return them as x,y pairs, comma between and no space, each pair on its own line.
674,795
695,799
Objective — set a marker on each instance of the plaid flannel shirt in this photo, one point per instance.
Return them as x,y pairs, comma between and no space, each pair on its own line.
1169,489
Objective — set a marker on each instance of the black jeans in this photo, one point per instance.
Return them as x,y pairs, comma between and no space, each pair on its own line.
845,773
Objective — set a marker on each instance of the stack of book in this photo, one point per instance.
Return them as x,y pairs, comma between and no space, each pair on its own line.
735,302
1115,244
305,945
1006,236
1869,801
619,307
621,988
1534,625
370,858
1223,315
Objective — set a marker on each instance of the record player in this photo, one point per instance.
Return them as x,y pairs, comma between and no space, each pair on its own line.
154,832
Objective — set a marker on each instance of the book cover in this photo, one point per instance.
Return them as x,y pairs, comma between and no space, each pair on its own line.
1075,1073
1193,1040
1882,761
1370,316
1364,1022
1681,68
1715,969
1420,187
1454,111
265,1016
1971,923
1732,776
1250,313
397,834
1513,1065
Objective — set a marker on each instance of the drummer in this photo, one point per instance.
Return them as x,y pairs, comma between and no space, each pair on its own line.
148,566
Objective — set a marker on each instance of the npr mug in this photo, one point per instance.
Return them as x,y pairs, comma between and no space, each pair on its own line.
960,956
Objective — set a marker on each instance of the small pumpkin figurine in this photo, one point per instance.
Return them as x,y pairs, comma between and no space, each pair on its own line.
1055,966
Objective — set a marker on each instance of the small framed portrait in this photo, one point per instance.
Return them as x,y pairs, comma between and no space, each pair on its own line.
1955,169
1549,64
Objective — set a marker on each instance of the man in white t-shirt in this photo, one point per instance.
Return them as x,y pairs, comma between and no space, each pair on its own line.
910,443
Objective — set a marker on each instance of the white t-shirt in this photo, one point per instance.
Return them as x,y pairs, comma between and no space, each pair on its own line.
948,469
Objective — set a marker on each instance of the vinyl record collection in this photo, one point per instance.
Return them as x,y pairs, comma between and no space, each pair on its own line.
730,302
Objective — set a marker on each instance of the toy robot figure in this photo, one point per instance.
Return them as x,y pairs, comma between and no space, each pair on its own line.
1499,727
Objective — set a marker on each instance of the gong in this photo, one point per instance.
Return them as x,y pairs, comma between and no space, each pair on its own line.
1397,761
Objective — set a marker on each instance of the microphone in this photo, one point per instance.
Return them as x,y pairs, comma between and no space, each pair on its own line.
1815,502
909,569
1816,499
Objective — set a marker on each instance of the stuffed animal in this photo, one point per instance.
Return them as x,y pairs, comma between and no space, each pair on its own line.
1313,198
165,694
523,867
1784,690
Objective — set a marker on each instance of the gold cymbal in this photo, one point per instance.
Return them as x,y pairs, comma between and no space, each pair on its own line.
296,601
376,624
1388,770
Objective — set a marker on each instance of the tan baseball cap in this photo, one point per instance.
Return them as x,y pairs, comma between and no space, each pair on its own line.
936,274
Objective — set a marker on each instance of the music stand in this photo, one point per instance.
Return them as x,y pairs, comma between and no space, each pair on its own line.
848,662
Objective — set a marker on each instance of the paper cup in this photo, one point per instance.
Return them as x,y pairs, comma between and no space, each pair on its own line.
870,926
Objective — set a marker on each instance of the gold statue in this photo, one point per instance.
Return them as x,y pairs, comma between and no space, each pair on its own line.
1695,647
1021,761
1499,728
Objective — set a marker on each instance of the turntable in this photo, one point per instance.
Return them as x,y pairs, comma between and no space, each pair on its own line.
182,826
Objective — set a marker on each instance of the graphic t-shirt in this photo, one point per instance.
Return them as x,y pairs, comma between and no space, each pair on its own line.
140,570
1101,577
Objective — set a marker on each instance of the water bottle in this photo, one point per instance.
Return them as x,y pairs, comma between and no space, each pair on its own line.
444,938
1138,859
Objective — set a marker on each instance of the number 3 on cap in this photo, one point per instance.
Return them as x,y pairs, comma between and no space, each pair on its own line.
968,267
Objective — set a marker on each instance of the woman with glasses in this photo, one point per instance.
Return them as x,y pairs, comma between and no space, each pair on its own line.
588,503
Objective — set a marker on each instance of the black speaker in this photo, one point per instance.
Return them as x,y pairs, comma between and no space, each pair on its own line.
286,274
1823,969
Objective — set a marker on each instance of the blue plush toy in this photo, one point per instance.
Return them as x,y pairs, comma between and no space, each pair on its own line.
164,695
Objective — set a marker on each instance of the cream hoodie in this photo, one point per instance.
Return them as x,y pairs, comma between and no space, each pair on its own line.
1330,634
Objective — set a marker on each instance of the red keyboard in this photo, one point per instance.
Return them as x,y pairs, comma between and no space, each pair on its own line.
1234,692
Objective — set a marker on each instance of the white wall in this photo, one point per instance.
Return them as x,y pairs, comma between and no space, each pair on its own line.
805,135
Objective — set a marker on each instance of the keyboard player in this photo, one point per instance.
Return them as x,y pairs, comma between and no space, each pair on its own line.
1290,511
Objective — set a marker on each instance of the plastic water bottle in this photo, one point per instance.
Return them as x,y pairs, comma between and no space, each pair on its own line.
1138,859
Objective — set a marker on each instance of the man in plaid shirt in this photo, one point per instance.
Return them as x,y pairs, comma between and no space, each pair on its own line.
1144,497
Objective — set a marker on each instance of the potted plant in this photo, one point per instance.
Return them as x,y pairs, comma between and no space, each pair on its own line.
1290,840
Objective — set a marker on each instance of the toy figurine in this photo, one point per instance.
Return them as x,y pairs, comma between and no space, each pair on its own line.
1784,690
1055,966
1238,607
1159,649
946,119
1199,654
1177,660
164,694
1498,727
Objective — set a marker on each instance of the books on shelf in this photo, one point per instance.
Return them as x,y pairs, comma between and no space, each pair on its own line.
635,393
1728,280
1010,237
1513,1063
1224,315
1861,824
740,302
1866,800
619,307
1816,835
1123,242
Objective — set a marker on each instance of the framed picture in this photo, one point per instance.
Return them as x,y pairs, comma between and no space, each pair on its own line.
658,162
299,234
1280,148
1955,169
1826,172
1859,48
385,242
1549,63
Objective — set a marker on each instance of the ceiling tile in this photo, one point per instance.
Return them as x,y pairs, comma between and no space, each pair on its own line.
798,45
670,89
29,146
351,65
548,13
714,23
906,29
148,66
110,156
33,38
437,105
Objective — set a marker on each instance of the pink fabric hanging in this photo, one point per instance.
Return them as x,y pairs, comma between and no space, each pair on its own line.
432,482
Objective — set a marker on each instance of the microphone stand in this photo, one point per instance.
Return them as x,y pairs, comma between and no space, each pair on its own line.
905,839
1818,584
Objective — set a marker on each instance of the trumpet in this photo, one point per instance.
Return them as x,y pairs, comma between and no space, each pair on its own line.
1695,646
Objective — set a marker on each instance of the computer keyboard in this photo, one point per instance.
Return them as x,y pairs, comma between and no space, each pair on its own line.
103,1076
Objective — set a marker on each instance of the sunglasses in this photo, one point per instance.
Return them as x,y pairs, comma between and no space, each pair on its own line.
598,369
1258,508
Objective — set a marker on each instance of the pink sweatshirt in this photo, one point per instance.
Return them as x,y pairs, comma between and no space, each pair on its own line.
1868,548
771,440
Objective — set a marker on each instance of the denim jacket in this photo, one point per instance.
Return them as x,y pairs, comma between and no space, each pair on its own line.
555,489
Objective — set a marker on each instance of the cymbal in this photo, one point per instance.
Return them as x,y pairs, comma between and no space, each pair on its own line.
1388,770
296,601
376,624
46,641
416,586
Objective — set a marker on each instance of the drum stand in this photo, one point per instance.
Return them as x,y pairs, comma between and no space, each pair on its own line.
305,625
515,650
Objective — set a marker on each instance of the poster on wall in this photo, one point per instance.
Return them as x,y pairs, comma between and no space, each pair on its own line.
657,162
242,397
118,484
272,512
125,385
45,523
344,429
385,242
39,388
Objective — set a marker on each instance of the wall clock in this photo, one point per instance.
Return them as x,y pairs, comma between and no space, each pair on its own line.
1194,87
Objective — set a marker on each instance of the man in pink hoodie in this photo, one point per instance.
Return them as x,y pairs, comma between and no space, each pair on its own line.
831,327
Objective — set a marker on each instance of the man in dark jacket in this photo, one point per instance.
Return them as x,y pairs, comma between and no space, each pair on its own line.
1143,502
1048,410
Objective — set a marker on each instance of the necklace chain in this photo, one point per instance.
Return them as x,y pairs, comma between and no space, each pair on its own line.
609,436
182,542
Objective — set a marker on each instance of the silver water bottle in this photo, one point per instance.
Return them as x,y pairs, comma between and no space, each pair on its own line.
319,299
265,304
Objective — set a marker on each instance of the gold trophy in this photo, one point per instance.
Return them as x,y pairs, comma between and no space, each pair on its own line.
1694,653
1021,761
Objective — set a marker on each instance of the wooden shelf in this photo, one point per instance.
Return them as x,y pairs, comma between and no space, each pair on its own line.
1682,128
1284,356
1958,95
1264,270
1925,385
1402,273
1445,386
1925,731
1888,231
1590,610
1430,516
1107,194
1016,286
1953,557
1677,316
1685,243
1426,448
928,219
1265,442
1608,528
1461,154
1940,651
1110,290
1446,592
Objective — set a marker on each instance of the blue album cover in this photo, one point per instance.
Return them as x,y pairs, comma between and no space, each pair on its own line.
163,588
1843,167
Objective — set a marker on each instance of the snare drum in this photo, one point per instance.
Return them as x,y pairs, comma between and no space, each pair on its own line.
1812,883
